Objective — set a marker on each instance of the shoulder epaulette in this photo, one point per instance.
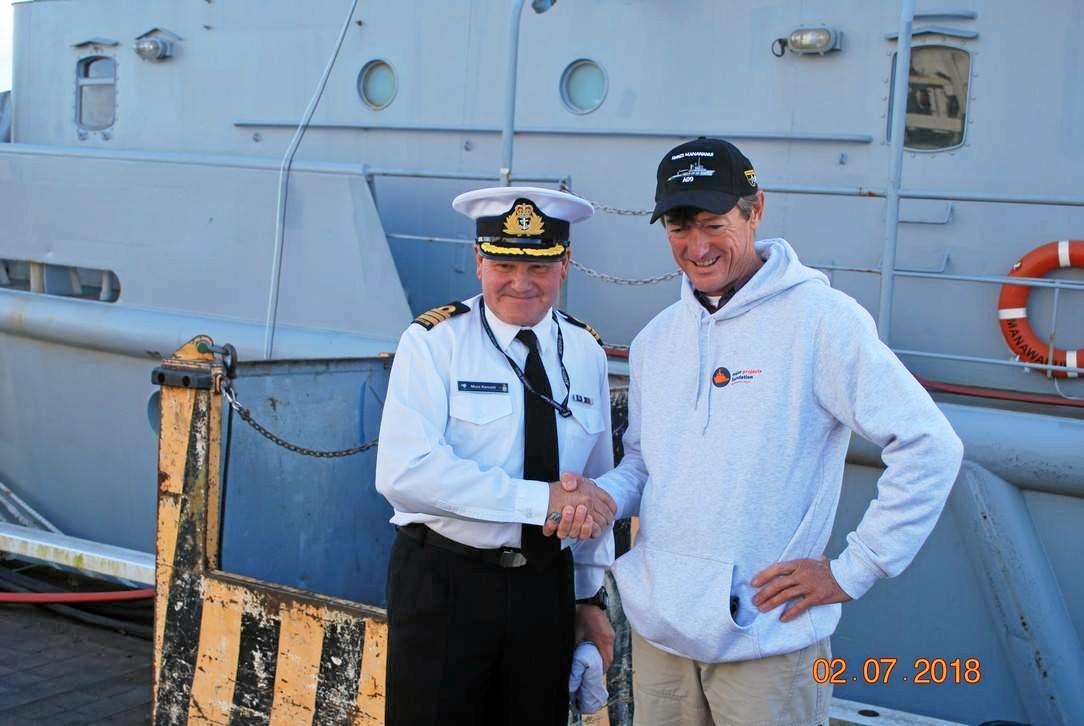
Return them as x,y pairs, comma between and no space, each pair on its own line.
439,314
581,324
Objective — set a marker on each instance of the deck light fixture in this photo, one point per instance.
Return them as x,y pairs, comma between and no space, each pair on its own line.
805,41
156,44
153,49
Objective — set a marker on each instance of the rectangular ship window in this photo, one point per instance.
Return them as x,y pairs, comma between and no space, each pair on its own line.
82,282
936,98
96,80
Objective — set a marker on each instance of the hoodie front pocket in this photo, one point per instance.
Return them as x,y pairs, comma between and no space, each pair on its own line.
682,603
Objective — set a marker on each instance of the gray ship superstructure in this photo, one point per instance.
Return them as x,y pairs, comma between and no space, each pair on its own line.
278,176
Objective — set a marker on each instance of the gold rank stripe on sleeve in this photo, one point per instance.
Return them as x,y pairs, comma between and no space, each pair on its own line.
581,324
437,315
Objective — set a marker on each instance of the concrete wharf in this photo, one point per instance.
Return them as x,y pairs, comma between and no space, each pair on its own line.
58,671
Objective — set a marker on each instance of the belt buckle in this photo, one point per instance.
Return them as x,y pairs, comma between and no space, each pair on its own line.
512,558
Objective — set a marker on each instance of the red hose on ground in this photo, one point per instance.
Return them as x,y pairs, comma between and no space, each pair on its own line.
52,598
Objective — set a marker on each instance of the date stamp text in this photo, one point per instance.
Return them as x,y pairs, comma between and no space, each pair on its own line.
924,671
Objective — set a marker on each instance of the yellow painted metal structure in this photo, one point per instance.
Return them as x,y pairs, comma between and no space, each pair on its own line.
231,649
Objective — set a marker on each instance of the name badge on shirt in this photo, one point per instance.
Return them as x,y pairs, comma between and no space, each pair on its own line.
581,399
483,387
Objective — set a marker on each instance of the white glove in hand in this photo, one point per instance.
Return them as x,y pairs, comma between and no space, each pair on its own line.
587,682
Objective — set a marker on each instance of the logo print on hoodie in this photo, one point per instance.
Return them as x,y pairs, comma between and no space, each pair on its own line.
720,377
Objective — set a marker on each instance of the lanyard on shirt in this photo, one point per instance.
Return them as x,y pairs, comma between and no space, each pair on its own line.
561,408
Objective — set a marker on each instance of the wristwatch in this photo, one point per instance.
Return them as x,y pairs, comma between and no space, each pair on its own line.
599,599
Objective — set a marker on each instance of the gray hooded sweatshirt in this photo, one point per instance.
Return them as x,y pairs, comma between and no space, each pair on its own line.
739,423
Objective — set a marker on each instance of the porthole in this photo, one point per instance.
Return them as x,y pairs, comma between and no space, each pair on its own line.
377,84
583,86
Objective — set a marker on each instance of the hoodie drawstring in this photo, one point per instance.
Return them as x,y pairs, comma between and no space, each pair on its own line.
703,402
707,324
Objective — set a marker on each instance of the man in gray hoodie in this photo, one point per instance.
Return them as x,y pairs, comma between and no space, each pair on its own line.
743,395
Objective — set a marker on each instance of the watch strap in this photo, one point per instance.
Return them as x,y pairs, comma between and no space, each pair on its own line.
598,599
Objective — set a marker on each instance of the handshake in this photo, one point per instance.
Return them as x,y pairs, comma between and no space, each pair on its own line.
578,508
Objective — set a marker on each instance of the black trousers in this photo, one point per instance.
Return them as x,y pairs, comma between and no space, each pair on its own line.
473,643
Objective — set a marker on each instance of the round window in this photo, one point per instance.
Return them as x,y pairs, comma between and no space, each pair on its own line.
377,84
583,86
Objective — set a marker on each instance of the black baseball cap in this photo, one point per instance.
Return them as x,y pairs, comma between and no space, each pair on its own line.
709,174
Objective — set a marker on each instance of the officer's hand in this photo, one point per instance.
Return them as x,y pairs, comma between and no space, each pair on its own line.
564,518
802,583
577,523
569,513
603,507
593,624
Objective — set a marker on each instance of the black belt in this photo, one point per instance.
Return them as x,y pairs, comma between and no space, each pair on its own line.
501,557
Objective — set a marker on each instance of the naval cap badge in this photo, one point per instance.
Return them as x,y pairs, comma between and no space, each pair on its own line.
523,221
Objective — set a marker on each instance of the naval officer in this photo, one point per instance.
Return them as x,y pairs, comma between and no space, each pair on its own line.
489,400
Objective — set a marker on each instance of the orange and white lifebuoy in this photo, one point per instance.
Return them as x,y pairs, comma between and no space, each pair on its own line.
1012,306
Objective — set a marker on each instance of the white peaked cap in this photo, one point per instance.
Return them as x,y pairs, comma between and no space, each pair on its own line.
498,200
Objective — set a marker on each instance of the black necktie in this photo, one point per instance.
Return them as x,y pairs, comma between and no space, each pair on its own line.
540,460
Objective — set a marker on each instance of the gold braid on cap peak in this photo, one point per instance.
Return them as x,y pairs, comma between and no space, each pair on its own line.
529,251
437,315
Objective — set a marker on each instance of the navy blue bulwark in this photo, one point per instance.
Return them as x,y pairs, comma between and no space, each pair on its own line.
472,642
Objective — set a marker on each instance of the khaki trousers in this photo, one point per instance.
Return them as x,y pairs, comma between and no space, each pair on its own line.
670,690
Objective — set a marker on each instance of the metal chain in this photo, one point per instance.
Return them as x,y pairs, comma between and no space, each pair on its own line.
624,280
246,416
599,206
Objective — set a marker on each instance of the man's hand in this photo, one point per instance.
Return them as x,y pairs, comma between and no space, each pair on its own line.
805,583
593,624
578,508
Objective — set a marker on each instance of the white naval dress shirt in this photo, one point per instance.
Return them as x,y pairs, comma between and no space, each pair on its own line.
451,435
